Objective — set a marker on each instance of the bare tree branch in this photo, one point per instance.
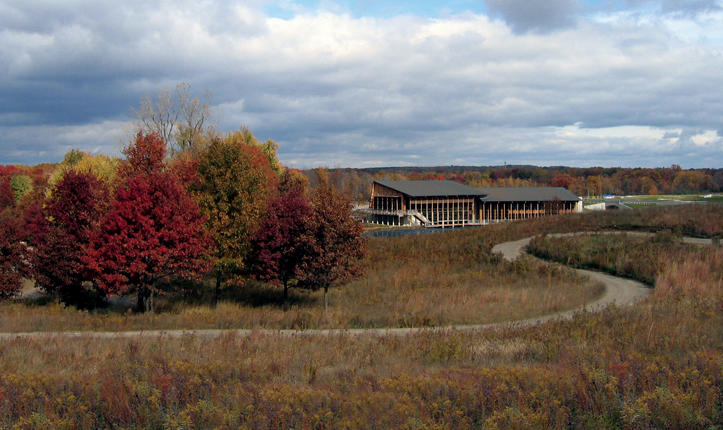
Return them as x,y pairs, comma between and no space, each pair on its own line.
179,119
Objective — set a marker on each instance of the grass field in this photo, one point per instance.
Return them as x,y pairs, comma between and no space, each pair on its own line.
421,281
674,198
657,364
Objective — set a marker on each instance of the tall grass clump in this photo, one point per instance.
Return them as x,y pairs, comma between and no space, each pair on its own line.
662,260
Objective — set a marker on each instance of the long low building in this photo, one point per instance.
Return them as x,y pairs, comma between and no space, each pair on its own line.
449,203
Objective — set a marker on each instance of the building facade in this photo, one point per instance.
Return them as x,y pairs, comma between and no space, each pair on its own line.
451,204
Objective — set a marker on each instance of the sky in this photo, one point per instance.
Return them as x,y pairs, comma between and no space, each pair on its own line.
371,83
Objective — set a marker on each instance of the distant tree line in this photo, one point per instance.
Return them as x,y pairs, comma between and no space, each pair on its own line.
593,181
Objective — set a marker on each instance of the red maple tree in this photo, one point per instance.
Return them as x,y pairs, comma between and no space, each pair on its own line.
145,155
12,263
333,244
61,232
77,203
7,197
277,249
36,225
153,231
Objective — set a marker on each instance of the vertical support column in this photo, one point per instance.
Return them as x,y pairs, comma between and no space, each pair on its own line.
439,210
454,211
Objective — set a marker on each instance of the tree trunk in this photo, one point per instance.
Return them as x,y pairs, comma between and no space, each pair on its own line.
219,275
286,292
326,302
145,299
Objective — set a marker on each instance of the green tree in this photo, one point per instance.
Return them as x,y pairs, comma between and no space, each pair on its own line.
73,156
21,185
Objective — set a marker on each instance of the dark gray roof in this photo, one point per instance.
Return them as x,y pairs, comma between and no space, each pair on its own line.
531,194
432,188
452,188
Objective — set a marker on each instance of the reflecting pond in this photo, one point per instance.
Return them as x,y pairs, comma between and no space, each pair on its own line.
411,231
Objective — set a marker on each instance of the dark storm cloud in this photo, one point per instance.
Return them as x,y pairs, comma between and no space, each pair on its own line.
538,15
337,90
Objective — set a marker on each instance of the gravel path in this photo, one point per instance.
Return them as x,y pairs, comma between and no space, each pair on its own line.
617,290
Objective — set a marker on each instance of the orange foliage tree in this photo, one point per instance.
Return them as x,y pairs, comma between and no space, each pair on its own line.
235,181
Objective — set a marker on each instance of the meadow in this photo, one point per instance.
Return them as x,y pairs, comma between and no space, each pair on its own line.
656,364
419,281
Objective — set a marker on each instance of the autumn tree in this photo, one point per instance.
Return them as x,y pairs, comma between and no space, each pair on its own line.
278,251
333,242
7,197
235,179
12,262
145,156
77,203
562,180
36,225
153,231
101,166
61,233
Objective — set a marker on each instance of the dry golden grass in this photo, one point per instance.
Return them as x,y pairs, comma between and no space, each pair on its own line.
657,364
430,280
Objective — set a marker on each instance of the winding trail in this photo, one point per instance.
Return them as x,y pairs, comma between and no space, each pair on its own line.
621,291
617,290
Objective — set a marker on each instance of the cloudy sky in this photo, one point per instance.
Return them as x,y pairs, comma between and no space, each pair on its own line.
365,83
